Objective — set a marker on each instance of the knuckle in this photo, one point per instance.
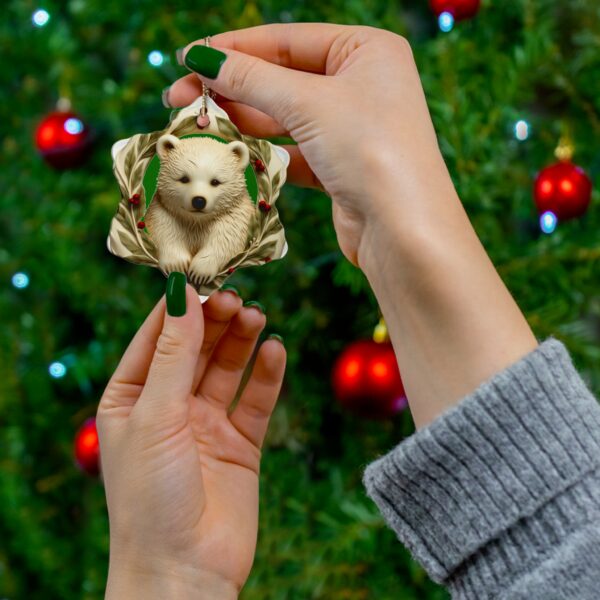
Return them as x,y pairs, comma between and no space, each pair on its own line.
168,344
241,75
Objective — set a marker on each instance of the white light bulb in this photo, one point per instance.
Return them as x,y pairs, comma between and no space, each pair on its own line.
20,280
156,58
446,21
521,130
73,126
57,370
40,17
548,222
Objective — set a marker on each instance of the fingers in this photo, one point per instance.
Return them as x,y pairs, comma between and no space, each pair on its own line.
276,91
247,119
301,46
251,121
253,411
130,375
173,365
230,357
218,311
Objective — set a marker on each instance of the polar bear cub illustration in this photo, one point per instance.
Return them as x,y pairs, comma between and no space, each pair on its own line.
201,214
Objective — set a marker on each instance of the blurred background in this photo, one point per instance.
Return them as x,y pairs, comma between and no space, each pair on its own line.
507,83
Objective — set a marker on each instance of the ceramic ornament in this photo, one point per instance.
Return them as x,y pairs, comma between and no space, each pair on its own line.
198,197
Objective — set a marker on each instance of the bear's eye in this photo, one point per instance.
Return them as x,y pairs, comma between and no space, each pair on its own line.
215,182
184,179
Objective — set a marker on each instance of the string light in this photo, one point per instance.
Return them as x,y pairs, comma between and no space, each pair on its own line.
20,280
521,130
73,126
156,58
548,222
40,17
57,370
446,21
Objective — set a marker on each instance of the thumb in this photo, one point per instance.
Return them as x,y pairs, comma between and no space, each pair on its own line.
277,91
171,373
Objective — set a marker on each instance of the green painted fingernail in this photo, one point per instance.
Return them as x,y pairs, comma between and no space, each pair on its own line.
275,336
255,304
205,60
227,287
165,97
176,294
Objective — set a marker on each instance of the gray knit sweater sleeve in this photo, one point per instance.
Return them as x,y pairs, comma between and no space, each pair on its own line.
500,496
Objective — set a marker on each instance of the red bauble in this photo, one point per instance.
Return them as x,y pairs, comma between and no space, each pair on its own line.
459,9
564,189
63,140
367,381
86,448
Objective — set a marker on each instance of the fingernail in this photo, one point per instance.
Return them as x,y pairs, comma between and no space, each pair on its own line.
275,336
205,60
165,97
255,304
179,55
176,294
227,287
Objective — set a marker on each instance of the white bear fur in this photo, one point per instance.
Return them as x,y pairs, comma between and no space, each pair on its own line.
200,242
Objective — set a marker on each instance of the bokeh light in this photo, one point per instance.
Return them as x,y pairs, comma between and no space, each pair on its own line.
521,130
548,222
156,58
57,370
20,280
446,21
40,17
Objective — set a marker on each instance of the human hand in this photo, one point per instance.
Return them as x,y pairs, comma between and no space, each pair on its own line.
180,468
351,98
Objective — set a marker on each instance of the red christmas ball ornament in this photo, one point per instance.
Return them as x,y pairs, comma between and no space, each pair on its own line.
366,380
87,449
63,140
563,189
459,9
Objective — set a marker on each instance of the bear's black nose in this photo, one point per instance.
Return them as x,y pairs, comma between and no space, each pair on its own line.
198,202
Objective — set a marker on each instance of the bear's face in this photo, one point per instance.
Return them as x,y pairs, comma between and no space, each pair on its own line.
201,176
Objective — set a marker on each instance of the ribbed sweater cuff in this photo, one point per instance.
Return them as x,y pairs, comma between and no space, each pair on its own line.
493,467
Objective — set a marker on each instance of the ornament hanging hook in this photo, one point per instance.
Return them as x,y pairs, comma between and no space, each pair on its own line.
203,119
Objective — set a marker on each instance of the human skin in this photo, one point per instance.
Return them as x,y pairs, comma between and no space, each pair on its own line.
352,99
180,473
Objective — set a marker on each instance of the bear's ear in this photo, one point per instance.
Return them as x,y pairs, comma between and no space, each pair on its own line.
241,152
166,144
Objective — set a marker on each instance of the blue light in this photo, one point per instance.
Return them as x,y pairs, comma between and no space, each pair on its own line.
73,126
40,17
156,58
20,280
548,222
521,130
446,21
57,370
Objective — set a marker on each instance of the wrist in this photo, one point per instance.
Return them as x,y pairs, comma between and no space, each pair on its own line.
451,319
126,580
413,205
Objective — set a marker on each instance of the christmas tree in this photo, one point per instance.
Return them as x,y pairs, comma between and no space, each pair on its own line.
503,86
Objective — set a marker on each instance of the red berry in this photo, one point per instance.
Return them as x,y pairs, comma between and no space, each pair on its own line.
267,259
135,199
230,270
264,205
259,165
141,224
